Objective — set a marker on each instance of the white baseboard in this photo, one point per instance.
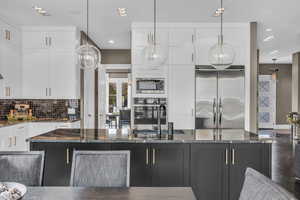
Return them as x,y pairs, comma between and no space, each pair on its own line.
282,126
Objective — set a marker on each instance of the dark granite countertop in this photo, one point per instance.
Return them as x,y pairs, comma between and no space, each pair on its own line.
129,136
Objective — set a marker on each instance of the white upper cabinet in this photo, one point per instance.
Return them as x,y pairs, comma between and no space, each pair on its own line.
50,37
235,36
62,39
35,74
63,75
34,40
10,61
50,69
181,37
181,46
140,37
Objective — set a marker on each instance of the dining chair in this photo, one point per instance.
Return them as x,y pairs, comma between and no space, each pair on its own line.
100,169
22,167
258,187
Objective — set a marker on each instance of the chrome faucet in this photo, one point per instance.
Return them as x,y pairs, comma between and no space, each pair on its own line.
161,106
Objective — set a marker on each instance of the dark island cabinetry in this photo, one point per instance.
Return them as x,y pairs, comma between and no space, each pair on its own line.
217,170
58,159
158,164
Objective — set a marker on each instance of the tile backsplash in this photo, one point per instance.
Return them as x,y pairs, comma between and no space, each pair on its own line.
44,108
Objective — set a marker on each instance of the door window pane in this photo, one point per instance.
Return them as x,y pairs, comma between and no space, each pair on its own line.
112,102
124,95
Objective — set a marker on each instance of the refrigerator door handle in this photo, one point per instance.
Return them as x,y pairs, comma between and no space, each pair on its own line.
220,112
214,112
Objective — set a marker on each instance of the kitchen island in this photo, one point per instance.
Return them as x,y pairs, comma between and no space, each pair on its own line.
213,165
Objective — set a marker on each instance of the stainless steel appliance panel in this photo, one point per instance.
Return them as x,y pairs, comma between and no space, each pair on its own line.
150,86
231,99
206,99
145,111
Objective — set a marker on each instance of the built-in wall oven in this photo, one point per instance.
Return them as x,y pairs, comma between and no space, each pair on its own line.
145,112
150,85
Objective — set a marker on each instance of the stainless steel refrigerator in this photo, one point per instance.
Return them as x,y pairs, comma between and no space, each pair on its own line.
220,99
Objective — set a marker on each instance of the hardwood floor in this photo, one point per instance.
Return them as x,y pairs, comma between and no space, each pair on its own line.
283,163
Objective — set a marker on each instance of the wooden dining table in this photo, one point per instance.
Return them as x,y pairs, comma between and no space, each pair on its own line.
90,193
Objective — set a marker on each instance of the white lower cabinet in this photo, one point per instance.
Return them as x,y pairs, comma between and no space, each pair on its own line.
13,138
182,96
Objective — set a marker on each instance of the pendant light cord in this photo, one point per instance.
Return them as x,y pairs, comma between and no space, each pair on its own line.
154,15
87,21
221,21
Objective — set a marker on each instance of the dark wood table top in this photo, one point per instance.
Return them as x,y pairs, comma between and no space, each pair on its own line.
132,193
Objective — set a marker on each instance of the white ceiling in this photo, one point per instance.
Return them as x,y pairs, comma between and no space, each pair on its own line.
282,16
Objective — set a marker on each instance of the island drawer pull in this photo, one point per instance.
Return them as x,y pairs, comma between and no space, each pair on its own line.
233,157
153,155
226,156
68,156
147,156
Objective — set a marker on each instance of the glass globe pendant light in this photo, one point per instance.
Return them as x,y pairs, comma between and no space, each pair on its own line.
221,55
89,56
154,53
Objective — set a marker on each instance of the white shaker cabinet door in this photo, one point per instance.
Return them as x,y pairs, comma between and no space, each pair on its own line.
18,136
182,96
63,75
181,47
181,55
34,40
206,38
181,37
62,39
140,37
35,74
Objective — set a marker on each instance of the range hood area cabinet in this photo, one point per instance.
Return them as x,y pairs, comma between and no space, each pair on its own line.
189,43
50,69
10,61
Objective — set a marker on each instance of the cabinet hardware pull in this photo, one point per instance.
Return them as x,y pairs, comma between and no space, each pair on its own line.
233,157
147,156
7,91
153,156
192,57
15,140
50,91
50,41
68,156
46,41
226,156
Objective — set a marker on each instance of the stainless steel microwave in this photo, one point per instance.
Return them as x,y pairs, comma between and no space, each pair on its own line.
150,85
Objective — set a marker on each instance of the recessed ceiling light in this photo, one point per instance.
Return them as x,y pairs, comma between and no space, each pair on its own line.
37,8
122,12
269,38
111,41
219,11
274,52
268,29
41,11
